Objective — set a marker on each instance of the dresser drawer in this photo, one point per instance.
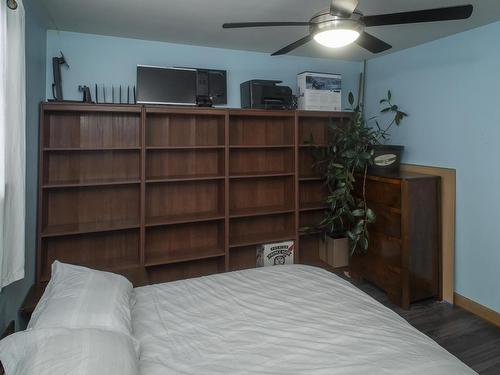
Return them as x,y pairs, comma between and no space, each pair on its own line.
378,272
383,193
388,222
386,248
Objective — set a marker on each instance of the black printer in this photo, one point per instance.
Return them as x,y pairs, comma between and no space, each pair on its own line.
264,94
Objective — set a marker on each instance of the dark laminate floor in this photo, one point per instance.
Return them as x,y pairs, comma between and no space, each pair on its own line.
471,339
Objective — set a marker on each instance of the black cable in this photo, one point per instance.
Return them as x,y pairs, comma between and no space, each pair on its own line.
12,4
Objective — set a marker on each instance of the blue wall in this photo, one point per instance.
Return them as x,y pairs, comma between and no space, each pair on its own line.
111,60
12,296
450,89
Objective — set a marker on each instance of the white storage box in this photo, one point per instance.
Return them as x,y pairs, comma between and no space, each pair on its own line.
334,252
274,254
319,91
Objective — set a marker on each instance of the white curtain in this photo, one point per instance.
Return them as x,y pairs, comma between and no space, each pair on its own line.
12,143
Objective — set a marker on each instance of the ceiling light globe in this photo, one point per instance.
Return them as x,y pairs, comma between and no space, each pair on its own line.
12,4
336,38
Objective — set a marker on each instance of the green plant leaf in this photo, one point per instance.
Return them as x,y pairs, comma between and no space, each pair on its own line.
359,227
339,192
358,213
364,243
360,224
370,215
350,154
351,98
366,155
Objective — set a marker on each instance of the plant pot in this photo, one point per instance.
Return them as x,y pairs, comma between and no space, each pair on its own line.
386,159
335,252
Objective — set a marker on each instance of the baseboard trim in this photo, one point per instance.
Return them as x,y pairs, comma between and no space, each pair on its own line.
477,309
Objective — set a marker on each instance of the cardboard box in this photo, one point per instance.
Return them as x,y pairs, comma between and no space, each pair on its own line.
319,91
274,254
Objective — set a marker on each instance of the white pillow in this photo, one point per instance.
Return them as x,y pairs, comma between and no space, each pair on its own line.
79,297
62,351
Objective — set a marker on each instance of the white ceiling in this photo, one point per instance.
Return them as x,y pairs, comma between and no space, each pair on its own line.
198,22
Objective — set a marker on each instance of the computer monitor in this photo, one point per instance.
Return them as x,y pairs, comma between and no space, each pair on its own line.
211,84
158,85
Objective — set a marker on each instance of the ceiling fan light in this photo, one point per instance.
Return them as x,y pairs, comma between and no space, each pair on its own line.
336,38
12,4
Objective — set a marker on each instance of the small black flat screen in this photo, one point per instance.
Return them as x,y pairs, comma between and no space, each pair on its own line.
166,85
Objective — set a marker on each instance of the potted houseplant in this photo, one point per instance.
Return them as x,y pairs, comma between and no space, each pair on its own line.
344,163
386,158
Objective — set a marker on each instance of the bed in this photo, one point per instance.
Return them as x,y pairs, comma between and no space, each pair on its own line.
274,320
277,320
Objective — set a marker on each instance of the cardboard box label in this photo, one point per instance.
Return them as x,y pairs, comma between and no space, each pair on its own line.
275,254
319,91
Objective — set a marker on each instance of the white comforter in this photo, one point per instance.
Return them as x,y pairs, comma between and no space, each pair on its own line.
278,320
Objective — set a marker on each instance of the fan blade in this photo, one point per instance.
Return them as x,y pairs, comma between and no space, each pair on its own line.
262,24
293,46
372,44
429,15
343,7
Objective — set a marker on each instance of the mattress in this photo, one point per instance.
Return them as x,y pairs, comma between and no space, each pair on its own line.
278,320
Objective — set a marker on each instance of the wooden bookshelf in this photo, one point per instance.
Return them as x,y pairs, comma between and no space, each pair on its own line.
165,193
261,188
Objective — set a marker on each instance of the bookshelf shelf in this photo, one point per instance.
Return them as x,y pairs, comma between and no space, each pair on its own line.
182,219
236,147
159,262
261,238
88,183
153,180
82,228
261,175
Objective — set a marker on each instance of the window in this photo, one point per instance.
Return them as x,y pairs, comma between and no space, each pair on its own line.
12,142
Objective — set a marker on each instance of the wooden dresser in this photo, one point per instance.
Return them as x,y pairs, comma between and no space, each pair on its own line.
404,253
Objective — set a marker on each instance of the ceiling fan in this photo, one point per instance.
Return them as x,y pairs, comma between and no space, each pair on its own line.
343,24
